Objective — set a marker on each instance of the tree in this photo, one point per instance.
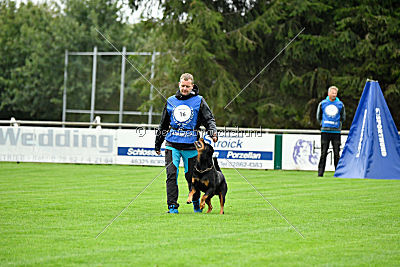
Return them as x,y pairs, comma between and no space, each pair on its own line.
32,45
29,74
227,43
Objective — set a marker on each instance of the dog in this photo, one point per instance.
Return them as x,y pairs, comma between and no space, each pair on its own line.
207,177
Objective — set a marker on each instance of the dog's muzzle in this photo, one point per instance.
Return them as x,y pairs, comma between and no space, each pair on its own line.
200,146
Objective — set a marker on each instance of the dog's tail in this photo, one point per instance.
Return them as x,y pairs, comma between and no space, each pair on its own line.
216,164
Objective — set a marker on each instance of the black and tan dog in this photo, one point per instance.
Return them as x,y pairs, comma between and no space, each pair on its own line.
207,177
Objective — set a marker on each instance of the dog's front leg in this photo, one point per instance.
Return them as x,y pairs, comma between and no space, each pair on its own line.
208,202
192,191
203,201
190,197
205,196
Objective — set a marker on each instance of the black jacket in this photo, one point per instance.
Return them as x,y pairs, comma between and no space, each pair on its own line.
204,118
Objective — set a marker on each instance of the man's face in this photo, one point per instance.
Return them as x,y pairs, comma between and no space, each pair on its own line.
332,94
185,87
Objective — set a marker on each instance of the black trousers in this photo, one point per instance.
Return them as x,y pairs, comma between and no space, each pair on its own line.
326,138
172,161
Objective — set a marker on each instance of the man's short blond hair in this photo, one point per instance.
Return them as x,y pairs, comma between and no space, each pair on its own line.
333,88
187,77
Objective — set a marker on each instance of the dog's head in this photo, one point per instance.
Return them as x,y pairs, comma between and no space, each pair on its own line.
204,150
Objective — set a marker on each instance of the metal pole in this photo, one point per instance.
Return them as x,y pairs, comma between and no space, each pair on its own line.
121,94
64,111
93,83
153,59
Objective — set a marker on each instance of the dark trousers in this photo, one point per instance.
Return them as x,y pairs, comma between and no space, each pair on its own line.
326,138
172,159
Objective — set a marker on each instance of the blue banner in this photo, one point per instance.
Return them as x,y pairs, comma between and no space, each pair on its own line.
372,149
138,152
247,155
221,154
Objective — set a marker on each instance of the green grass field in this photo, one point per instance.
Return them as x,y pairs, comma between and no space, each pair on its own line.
51,214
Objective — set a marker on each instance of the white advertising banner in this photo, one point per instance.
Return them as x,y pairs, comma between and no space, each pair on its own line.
58,145
242,150
302,152
136,147
250,150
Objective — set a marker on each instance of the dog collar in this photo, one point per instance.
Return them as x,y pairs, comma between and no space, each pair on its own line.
203,171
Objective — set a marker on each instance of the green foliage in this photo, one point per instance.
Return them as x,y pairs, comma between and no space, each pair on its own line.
29,64
33,41
225,44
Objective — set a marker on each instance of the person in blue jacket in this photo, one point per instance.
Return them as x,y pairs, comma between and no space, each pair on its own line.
330,114
180,122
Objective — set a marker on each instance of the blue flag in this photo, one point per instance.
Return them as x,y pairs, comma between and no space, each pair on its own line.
372,149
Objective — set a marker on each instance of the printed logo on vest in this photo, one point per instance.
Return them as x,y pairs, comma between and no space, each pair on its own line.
331,110
183,113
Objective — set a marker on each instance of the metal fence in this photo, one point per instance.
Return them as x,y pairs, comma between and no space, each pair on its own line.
96,123
121,110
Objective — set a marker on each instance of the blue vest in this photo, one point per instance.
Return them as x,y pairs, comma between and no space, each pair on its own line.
183,119
331,113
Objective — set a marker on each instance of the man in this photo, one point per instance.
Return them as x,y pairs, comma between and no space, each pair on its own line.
330,114
181,119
